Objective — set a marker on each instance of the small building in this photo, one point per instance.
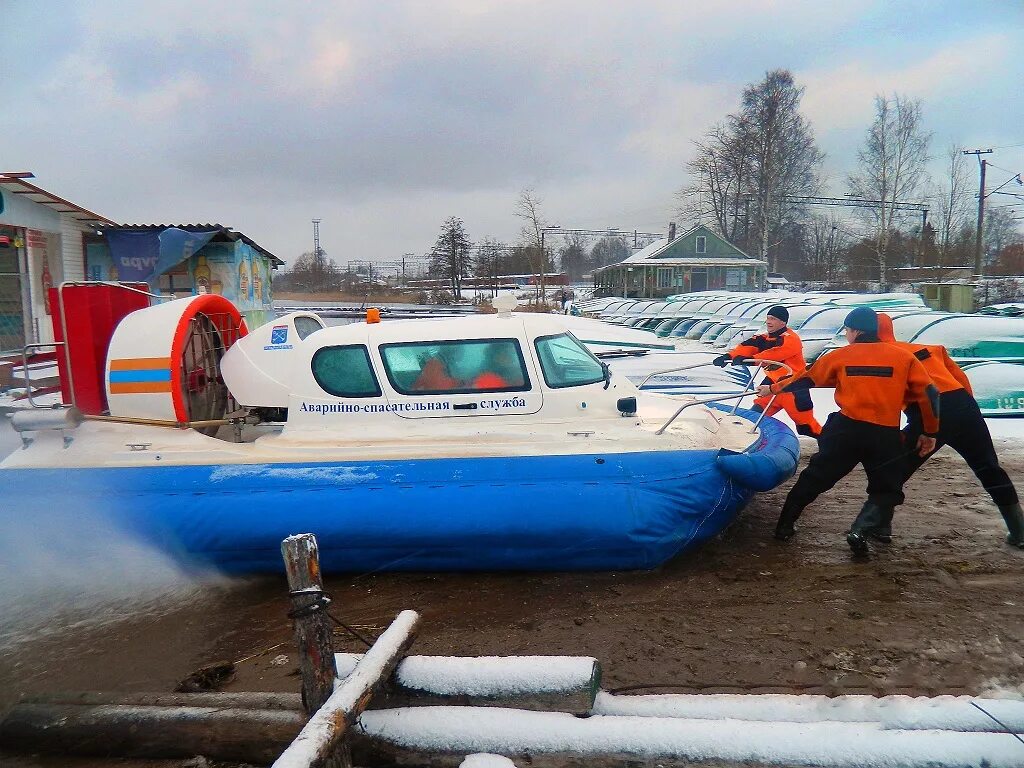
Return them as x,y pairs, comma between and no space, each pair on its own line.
43,241
948,297
697,260
189,258
46,240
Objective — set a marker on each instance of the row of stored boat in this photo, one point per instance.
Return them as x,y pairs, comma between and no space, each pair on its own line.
988,345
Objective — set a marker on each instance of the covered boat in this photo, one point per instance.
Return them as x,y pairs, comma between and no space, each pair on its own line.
998,387
486,442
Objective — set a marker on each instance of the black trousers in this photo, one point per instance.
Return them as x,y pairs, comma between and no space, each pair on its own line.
844,443
963,428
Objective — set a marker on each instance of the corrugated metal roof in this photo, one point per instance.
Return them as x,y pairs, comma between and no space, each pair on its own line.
16,183
224,232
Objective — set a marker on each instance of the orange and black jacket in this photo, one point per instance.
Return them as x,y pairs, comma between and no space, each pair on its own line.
782,346
945,374
873,381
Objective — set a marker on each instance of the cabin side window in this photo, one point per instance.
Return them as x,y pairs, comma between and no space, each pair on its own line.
565,362
304,326
345,371
455,367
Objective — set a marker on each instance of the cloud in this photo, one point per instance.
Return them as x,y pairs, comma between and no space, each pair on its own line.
385,118
843,96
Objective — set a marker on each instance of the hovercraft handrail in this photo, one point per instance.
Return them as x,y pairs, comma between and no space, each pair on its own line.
675,370
737,397
24,367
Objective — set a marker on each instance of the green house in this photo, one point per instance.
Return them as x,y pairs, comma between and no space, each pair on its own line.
697,260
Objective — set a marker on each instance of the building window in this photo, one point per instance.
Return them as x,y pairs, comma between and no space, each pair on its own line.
664,277
677,277
702,244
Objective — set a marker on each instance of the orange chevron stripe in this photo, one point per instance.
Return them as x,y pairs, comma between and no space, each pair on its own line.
140,363
139,387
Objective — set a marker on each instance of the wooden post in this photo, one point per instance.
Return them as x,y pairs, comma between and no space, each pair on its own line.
312,624
328,727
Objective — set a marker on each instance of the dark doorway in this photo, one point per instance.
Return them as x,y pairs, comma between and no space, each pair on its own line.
12,323
699,280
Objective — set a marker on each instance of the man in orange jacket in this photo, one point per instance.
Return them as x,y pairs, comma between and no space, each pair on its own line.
872,380
963,428
781,345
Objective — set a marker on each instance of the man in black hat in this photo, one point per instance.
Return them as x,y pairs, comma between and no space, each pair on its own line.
780,344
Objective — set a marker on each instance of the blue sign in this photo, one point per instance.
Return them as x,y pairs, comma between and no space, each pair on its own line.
145,255
279,334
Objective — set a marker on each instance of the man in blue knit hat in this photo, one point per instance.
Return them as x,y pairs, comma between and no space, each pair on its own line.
873,381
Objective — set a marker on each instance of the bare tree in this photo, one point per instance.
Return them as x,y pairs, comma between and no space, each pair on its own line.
952,205
1000,231
311,272
528,208
891,165
719,193
747,169
784,158
826,242
450,258
573,256
608,250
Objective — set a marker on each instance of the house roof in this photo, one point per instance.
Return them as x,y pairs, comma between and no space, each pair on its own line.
224,234
649,255
16,182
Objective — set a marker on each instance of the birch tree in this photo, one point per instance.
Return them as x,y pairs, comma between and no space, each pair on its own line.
890,166
953,204
528,208
747,169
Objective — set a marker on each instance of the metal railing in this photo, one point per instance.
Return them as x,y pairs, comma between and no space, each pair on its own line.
24,367
748,389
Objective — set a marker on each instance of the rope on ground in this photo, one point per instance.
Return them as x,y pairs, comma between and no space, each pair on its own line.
998,722
320,604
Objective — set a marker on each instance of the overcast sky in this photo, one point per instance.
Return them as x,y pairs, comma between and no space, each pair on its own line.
385,118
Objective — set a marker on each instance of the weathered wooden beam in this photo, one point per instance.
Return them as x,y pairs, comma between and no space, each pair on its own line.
246,735
329,725
240,700
312,624
540,683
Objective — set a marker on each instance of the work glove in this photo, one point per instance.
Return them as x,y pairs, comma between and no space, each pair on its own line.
721,361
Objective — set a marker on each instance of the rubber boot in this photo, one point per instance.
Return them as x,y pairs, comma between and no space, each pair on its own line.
1014,519
871,516
785,528
883,531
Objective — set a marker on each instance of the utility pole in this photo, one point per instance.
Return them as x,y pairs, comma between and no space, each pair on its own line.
978,267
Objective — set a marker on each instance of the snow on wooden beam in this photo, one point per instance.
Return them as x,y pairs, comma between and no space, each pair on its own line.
482,760
552,738
328,726
947,713
545,683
